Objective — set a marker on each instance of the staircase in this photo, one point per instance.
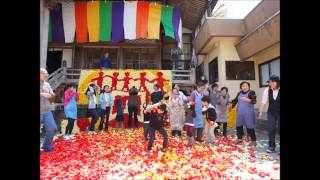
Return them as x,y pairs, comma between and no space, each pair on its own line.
64,75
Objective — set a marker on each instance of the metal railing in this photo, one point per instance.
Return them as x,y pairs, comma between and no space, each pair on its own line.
57,77
64,75
183,76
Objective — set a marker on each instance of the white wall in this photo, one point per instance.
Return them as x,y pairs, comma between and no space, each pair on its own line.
225,51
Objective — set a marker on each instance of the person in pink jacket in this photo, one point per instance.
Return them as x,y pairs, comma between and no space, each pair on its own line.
71,96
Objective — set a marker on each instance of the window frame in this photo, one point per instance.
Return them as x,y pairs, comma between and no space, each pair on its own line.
269,68
198,69
211,81
254,73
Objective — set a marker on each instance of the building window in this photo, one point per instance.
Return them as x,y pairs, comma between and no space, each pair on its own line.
237,70
267,69
199,72
213,71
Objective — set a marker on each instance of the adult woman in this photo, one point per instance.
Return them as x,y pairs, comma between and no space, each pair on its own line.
222,109
271,95
196,97
181,94
71,96
245,99
176,113
91,92
106,101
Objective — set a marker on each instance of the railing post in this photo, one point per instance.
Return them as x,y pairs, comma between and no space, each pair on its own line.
64,71
193,75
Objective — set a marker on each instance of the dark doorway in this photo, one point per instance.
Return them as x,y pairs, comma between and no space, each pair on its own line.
53,61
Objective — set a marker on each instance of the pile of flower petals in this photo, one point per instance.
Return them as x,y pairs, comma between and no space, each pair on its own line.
123,155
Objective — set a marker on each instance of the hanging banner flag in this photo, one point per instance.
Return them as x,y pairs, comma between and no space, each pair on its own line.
117,21
69,22
105,21
166,19
81,21
50,31
180,45
154,21
142,19
57,24
93,20
129,19
176,22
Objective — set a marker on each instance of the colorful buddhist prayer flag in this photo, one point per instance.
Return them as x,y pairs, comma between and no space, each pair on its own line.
117,21
50,31
176,22
57,24
154,21
81,21
93,20
166,19
105,21
180,44
69,22
142,19
129,19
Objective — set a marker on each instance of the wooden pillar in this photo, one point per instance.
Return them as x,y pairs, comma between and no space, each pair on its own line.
120,57
44,25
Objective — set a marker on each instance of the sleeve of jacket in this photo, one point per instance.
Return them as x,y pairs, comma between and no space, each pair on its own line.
252,95
234,102
212,115
111,98
102,98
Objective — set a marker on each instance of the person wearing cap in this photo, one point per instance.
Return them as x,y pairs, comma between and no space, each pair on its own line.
158,112
46,117
271,95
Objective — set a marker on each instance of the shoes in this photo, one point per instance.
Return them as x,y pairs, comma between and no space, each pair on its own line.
48,149
66,137
271,150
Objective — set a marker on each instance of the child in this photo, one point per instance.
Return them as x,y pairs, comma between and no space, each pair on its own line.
106,101
158,111
119,116
211,116
91,92
71,96
222,110
198,120
188,124
245,99
146,121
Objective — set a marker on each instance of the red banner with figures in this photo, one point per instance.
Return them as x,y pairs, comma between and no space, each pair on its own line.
120,81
